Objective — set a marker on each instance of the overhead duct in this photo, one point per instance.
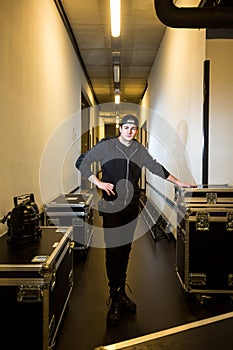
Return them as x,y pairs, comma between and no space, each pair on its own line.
193,17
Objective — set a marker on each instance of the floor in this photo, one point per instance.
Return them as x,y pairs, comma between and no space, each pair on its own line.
161,304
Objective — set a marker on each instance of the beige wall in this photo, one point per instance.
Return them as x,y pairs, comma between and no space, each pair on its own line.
40,98
173,105
175,96
220,54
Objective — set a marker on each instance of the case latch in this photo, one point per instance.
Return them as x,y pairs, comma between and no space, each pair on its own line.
77,221
202,221
179,196
181,233
230,280
229,225
211,197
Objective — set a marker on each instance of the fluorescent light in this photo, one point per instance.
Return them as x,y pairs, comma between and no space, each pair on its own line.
117,121
117,99
115,9
116,73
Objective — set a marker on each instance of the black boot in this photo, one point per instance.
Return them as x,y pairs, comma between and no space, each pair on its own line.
114,312
126,303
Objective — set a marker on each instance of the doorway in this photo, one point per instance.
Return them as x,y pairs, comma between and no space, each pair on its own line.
110,129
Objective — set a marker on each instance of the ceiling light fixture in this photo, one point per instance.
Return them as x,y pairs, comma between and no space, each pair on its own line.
117,97
117,121
116,73
115,9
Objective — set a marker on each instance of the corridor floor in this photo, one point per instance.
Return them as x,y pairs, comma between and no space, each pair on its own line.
161,302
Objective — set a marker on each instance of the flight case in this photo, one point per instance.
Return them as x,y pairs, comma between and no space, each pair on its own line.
204,259
36,281
72,210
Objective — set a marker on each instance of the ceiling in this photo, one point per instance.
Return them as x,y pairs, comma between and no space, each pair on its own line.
141,35
88,24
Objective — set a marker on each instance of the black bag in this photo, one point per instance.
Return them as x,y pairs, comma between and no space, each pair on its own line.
23,223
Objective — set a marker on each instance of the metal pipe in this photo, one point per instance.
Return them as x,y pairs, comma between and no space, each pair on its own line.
205,141
193,17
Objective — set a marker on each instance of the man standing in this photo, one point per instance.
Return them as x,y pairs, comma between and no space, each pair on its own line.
121,159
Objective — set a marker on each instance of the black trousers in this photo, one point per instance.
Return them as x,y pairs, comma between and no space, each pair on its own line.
119,228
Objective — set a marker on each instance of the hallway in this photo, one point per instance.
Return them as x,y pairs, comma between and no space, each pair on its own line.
156,290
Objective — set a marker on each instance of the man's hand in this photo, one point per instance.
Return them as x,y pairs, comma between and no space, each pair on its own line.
105,186
186,184
177,182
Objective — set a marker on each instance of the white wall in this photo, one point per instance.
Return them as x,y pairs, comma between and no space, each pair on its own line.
220,54
40,99
174,103
175,90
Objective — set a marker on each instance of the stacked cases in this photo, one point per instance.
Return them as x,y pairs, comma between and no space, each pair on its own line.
72,210
204,259
36,281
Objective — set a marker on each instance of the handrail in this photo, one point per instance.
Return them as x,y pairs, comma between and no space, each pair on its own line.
167,199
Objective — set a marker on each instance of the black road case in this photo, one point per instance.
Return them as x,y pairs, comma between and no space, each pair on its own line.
204,259
219,195
36,281
72,210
